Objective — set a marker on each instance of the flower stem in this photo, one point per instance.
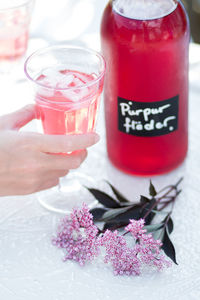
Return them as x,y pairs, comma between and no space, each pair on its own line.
172,198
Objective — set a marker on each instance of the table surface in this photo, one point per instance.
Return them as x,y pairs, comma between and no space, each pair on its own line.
32,268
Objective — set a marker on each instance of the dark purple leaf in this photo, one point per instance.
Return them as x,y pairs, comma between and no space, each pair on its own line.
144,200
131,213
170,225
113,213
97,213
152,190
104,198
151,215
168,247
119,196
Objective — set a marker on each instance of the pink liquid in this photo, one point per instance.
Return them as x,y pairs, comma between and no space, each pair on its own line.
71,111
13,33
147,61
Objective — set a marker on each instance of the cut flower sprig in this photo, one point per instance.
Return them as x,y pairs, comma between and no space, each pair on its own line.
116,212
82,240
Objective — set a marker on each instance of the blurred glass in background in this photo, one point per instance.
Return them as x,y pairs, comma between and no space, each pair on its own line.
15,18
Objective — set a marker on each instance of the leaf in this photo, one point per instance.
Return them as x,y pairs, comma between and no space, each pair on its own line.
158,234
152,214
144,200
104,198
114,226
97,213
149,218
168,247
159,212
119,196
153,227
152,190
131,213
113,213
170,224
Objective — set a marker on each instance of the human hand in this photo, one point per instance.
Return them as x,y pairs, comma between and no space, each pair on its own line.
28,161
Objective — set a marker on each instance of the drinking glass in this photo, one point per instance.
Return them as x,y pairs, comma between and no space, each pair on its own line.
15,18
68,84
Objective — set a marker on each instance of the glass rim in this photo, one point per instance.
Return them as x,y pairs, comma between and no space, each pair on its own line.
90,83
24,3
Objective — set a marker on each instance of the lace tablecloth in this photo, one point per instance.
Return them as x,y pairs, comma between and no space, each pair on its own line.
31,267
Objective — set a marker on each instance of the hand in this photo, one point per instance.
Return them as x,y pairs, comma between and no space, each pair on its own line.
28,161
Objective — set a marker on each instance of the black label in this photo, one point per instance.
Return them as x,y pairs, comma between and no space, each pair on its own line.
148,118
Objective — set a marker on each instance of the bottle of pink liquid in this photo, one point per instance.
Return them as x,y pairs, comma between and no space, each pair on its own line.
145,45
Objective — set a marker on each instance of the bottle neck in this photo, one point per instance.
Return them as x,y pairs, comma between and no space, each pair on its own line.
144,9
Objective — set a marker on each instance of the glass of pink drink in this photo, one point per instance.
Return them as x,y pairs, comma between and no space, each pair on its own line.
15,18
68,83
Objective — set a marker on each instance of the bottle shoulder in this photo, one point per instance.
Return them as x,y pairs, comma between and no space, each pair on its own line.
172,26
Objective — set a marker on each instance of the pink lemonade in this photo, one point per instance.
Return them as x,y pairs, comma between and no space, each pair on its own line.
67,101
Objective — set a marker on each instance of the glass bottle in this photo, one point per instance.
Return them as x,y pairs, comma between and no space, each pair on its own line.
145,45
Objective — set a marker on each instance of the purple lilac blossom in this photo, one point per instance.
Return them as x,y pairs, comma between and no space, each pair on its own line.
77,235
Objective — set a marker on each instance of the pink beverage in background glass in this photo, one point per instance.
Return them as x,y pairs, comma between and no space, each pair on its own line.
14,28
145,45
68,103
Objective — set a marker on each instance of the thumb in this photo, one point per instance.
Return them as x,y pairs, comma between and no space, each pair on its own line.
19,118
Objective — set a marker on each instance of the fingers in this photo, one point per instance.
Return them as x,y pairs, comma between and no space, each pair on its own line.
18,119
65,143
65,162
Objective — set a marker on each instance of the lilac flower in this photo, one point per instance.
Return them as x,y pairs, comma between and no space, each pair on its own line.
148,249
136,228
77,235
124,260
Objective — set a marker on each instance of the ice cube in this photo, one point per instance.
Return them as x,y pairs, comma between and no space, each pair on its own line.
46,92
71,95
76,95
77,82
52,78
69,78
50,72
83,92
65,80
85,78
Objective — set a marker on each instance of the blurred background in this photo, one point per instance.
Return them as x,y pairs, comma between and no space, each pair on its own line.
71,21
193,8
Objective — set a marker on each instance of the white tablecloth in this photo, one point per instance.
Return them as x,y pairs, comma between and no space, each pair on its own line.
31,268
